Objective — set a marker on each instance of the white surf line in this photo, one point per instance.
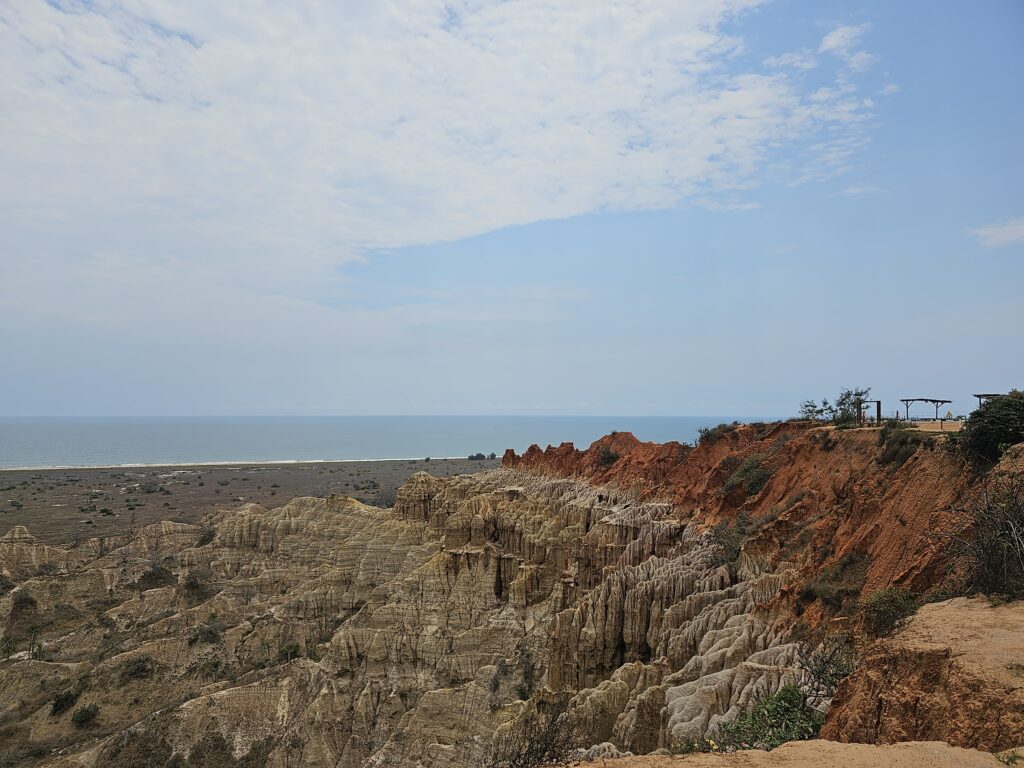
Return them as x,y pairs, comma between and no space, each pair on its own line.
261,463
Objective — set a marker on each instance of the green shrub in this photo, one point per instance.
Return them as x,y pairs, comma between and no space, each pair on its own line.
711,435
839,584
989,549
750,475
204,634
606,456
899,442
196,587
288,652
138,668
63,701
206,535
727,539
997,424
156,577
780,717
886,610
85,716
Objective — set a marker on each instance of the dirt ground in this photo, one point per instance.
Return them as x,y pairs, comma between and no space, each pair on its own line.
60,505
938,426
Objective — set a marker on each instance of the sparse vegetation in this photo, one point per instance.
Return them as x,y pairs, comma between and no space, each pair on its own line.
138,668
777,718
606,456
711,435
85,716
988,551
63,701
839,585
196,587
997,424
828,664
155,577
541,740
884,611
727,538
288,652
749,474
899,442
206,535
843,413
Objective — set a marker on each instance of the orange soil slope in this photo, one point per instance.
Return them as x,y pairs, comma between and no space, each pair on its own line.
828,495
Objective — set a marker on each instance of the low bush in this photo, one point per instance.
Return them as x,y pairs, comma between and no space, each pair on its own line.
85,716
899,443
887,609
206,535
63,701
288,652
988,551
727,539
196,587
839,585
156,577
606,456
711,435
750,475
138,668
997,424
541,739
204,634
780,717
828,664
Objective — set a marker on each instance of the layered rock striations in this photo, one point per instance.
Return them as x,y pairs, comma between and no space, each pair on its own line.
330,633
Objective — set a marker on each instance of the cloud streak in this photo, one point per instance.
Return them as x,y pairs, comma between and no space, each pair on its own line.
1010,232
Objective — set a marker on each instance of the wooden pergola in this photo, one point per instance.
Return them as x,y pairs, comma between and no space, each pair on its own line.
987,396
934,401
878,410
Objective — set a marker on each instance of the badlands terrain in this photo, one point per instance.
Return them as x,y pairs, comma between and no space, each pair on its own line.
637,596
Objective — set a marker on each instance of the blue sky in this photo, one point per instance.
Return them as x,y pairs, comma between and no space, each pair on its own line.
719,208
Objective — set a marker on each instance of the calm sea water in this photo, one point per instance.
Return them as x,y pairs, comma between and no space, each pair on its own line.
38,442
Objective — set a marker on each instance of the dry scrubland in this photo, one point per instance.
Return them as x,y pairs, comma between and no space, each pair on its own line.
775,580
62,505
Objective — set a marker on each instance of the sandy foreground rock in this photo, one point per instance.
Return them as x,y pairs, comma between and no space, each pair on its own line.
819,754
955,673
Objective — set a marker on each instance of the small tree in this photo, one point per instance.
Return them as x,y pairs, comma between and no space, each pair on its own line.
540,740
988,550
997,424
846,409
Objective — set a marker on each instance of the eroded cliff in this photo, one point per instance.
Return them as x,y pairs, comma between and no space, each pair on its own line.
329,633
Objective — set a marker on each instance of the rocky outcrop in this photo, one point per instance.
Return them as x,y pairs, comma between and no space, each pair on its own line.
954,673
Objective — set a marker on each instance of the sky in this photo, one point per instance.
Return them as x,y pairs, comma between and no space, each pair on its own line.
717,207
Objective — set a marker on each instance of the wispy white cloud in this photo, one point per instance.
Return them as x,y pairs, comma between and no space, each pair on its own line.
843,42
1010,232
327,129
207,168
797,59
889,89
860,190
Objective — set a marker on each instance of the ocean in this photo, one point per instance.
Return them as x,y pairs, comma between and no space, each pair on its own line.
51,442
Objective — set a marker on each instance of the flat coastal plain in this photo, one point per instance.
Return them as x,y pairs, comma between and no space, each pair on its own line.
59,506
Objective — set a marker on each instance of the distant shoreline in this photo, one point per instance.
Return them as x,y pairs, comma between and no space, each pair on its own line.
243,463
